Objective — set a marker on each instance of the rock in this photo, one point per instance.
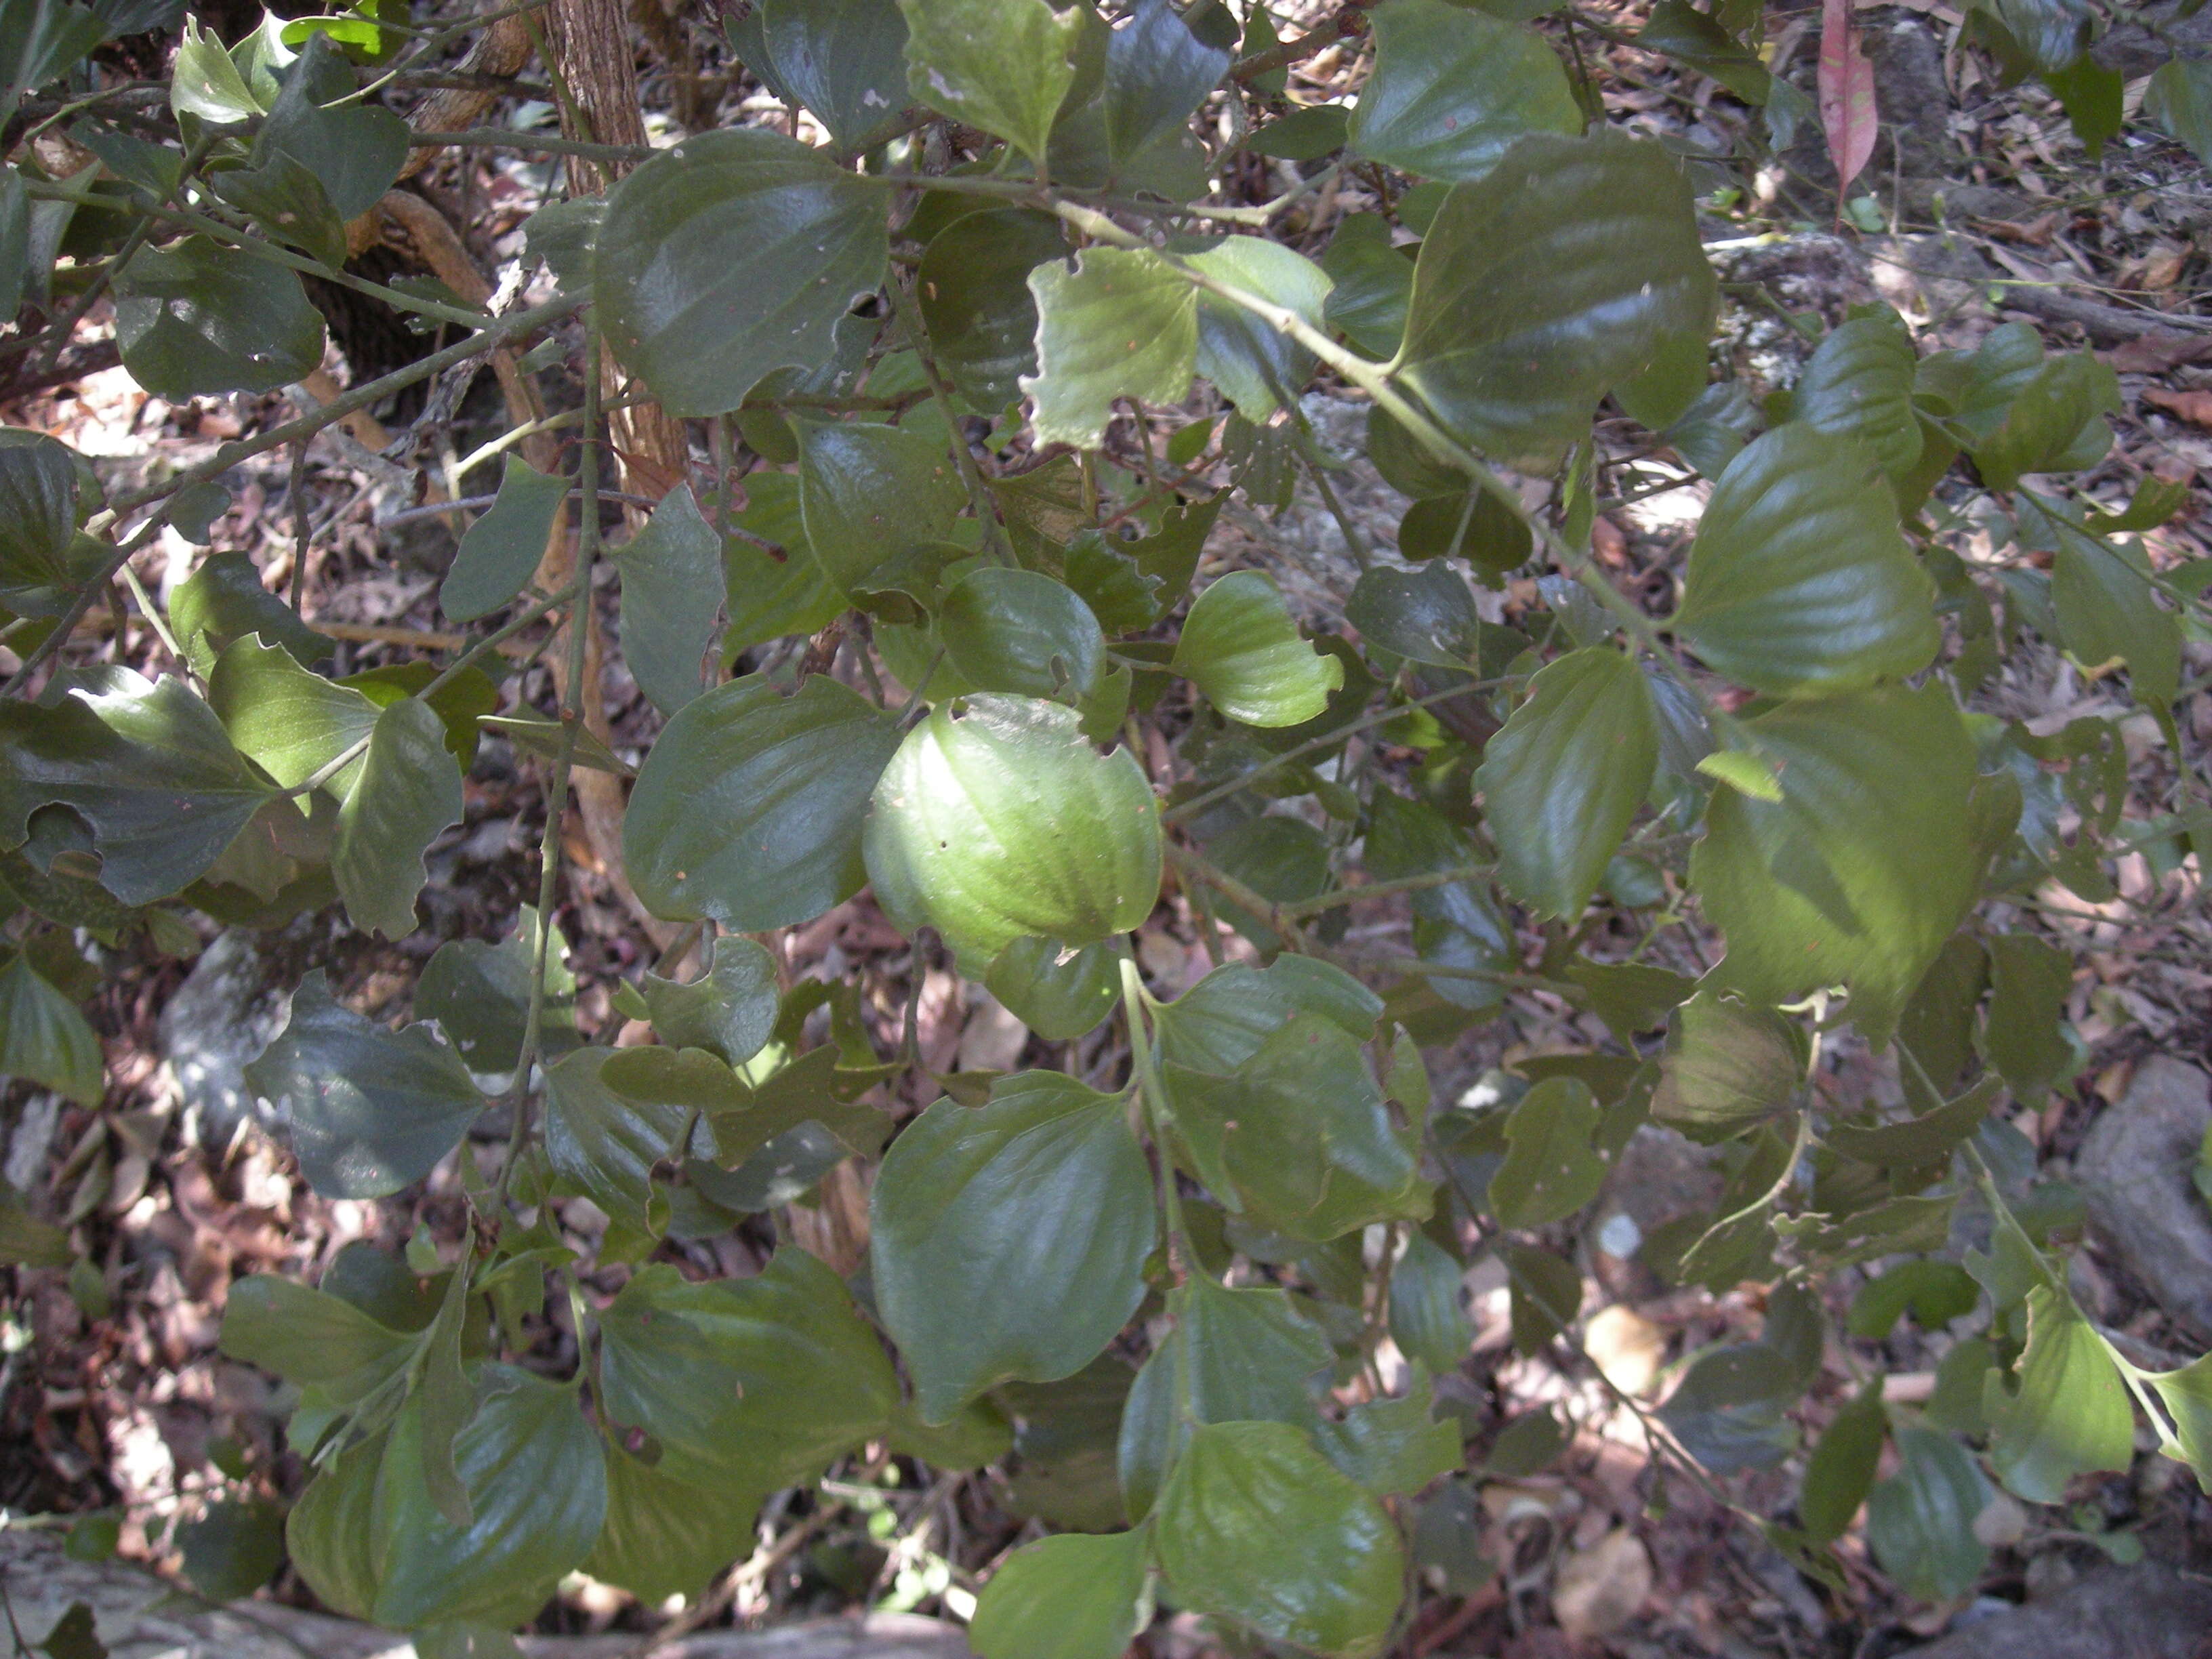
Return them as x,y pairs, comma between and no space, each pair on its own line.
2131,47
2134,1172
1599,1590
2145,1612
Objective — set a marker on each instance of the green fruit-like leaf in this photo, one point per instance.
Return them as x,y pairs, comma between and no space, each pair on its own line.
408,790
730,1011
663,1538
1551,1169
1822,888
1728,1064
2106,611
1841,1470
1240,647
666,568
1256,1526
1021,631
224,601
1559,274
44,1039
1002,65
1453,88
371,1110
2070,1415
1373,281
197,319
997,819
1008,1238
1921,1520
843,59
748,809
1799,582
973,285
1256,368
607,1143
753,1382
1859,385
499,552
732,254
1299,1138
1561,782
148,766
1070,1597
367,1538
1119,323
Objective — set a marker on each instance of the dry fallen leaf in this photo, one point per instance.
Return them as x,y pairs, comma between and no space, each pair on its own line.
2156,352
2195,407
1599,1590
1626,1346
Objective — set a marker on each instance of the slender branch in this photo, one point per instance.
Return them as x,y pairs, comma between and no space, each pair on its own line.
549,142
1343,26
979,495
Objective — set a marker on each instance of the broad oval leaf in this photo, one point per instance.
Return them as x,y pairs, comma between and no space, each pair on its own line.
997,819
1256,1526
749,808
1920,1522
1551,1169
667,566
663,1538
1240,647
1002,65
732,254
1858,384
608,1143
1249,362
1008,1239
973,287
1799,582
1021,631
1563,779
198,318
1070,1597
843,59
44,1038
2070,1414
1561,272
408,790
1454,87
1117,323
371,1110
873,497
1058,993
499,550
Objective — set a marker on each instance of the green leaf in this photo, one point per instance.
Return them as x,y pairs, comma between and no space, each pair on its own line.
2030,981
1391,1448
1256,368
224,601
146,766
1629,996
872,497
1564,778
1474,524
366,1539
758,1382
1119,323
371,1110
1002,65
479,995
197,318
1299,1140
304,1336
1428,1320
1070,1597
1799,582
1580,255
2107,612
1157,73
730,1011
1222,1021
665,567
1919,1142
44,1039
1551,1169
206,83
1373,282
607,1143
1729,1065
75,1634
1256,1526
1937,1292
25,1240
1009,1239
973,286
408,790
1021,631
1058,993
843,59
1305,133
1841,1470
734,253
1859,385
2180,99
748,809
501,551
1704,43
1241,648
771,594
1821,888
354,150
663,1538
997,819
1920,1522
1232,1356
1453,88
1546,1294
2070,1415
2056,421
2187,1394
1426,615
1729,1410
39,512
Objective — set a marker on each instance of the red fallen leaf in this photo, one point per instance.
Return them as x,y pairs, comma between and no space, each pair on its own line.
2156,352
2194,407
1848,115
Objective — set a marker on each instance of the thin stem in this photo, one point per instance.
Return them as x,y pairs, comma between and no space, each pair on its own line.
971,476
